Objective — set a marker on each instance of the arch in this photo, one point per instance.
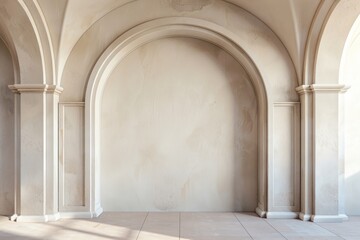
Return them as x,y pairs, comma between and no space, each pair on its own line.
332,41
29,41
349,75
147,32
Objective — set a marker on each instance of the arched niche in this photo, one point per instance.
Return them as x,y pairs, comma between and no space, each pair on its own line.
178,130
232,29
138,36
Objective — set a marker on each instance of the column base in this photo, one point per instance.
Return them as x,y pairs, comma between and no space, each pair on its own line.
98,211
36,218
304,216
260,212
329,218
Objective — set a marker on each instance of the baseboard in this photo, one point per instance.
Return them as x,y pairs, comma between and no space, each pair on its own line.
35,218
76,215
284,215
329,218
98,211
53,217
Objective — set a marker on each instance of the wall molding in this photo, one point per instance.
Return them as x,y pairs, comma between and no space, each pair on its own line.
323,88
35,88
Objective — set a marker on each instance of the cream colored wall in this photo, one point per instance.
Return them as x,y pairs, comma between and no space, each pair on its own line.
260,44
6,133
179,131
351,76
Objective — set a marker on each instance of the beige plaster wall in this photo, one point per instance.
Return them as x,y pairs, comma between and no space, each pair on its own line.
351,76
6,133
179,131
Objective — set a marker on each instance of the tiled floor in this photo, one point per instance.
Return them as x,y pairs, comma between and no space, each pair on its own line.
184,226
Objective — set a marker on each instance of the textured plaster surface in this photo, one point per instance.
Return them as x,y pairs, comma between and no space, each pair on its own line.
350,76
179,131
6,132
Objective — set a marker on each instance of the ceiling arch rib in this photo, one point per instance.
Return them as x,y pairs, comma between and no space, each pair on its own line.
20,31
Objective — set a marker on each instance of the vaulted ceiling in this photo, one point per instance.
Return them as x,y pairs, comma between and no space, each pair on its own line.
290,20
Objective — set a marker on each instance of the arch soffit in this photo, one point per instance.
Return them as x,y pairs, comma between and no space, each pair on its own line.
332,41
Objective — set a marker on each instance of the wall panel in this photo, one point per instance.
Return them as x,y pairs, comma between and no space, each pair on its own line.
71,159
285,167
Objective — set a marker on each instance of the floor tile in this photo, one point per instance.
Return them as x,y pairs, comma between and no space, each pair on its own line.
184,226
297,228
259,230
159,226
211,226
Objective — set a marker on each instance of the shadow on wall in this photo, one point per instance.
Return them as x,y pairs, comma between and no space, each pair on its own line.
6,132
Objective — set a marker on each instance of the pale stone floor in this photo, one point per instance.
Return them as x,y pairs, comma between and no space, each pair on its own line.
184,226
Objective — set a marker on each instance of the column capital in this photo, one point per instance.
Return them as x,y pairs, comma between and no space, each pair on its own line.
33,88
324,88
303,89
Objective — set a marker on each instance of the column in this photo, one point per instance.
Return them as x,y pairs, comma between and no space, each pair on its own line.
305,94
323,156
37,162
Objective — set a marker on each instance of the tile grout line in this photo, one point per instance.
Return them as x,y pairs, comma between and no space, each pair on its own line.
243,226
179,225
142,225
329,231
276,229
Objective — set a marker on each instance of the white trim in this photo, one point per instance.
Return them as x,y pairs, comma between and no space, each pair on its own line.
286,215
329,218
329,87
67,215
304,89
36,218
41,88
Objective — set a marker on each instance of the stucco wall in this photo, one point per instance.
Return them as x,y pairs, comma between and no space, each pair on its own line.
351,77
179,131
6,133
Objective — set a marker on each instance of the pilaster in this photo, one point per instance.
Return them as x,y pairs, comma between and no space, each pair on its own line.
305,94
322,152
37,161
